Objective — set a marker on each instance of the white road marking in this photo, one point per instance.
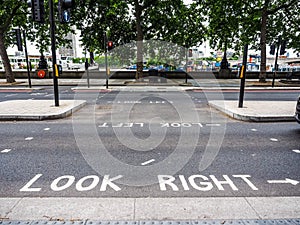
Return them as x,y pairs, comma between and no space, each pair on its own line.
28,138
10,95
253,130
6,150
286,181
296,150
213,125
47,129
273,139
147,162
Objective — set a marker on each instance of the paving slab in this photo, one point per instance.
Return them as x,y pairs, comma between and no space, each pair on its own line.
258,111
193,208
73,209
38,109
6,204
280,207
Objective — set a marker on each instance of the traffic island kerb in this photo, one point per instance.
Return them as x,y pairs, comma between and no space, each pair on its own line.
38,109
257,111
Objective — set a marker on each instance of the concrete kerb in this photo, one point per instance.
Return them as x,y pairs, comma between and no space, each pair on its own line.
38,109
258,111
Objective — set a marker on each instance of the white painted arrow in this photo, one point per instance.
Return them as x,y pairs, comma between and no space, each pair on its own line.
286,181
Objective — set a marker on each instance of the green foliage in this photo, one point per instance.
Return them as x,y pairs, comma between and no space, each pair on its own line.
94,17
235,23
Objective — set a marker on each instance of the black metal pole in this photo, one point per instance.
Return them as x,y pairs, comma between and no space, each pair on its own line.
186,65
106,66
276,60
27,61
243,77
53,48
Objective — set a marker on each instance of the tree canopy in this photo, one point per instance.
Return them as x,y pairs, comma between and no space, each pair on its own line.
226,24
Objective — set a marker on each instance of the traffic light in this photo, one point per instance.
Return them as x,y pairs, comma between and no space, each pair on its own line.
272,49
110,45
190,53
64,9
282,48
37,10
19,40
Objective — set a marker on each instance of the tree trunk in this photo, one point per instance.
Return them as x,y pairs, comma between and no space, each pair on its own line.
140,37
8,71
263,40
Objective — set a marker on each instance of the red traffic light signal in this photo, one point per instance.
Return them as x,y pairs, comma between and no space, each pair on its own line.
110,45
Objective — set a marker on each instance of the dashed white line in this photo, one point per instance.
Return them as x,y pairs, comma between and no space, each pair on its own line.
296,150
147,162
28,138
274,139
6,150
10,95
213,125
47,128
254,130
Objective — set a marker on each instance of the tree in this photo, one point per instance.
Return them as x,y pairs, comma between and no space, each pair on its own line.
11,13
171,21
15,13
236,23
96,17
276,17
137,20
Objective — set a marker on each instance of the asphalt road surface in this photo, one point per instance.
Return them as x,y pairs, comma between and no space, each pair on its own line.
148,144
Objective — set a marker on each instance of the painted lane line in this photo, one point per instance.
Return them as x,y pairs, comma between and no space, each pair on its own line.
296,150
46,129
286,181
6,150
28,138
213,125
10,95
273,139
147,162
254,130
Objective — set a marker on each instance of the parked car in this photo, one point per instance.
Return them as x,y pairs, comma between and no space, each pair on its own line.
297,114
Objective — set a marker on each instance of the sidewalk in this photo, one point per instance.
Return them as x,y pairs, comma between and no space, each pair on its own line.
209,210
